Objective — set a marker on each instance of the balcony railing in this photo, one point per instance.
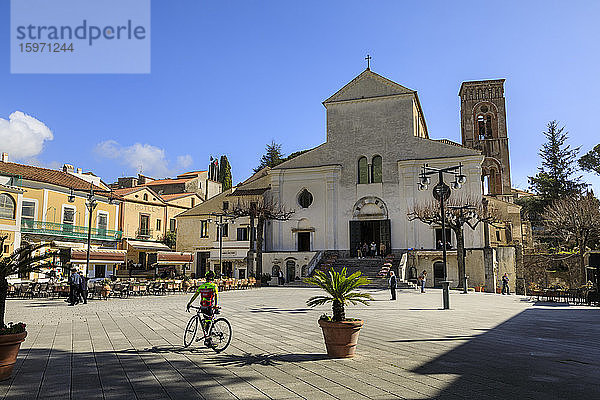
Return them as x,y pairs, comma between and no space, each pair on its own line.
67,230
144,233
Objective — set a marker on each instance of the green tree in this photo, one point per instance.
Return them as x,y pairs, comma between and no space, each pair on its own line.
556,177
295,154
272,157
170,239
590,162
225,173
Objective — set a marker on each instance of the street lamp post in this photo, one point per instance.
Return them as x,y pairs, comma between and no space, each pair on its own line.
90,204
441,192
220,223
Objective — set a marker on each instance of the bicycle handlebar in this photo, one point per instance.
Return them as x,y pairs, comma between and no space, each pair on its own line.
214,307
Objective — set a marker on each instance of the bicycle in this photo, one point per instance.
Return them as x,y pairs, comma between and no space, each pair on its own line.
217,332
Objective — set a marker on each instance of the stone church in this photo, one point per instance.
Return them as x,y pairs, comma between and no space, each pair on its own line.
359,186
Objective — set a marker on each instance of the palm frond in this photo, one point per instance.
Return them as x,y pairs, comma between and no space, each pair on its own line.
339,287
363,298
23,261
318,300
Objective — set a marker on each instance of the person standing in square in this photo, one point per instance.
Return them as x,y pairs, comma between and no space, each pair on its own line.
393,284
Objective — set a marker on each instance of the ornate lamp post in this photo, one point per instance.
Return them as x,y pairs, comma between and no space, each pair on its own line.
90,204
441,192
220,222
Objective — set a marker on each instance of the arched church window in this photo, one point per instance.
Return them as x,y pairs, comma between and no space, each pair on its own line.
145,197
363,170
488,127
376,170
7,206
481,126
305,198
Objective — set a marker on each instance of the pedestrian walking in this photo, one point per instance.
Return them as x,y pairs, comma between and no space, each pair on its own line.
505,289
83,288
393,284
423,280
373,249
382,250
365,250
280,275
74,285
359,252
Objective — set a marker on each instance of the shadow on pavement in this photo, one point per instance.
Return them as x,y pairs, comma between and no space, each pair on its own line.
263,359
279,310
550,304
445,339
170,349
541,353
131,374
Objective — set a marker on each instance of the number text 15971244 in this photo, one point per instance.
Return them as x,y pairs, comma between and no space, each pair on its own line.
52,47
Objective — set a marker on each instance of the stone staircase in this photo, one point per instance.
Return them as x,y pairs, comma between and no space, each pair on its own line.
369,266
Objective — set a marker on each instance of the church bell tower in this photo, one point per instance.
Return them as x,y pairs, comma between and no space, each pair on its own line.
483,127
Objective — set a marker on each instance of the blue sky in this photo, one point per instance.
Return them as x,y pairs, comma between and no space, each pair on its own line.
229,77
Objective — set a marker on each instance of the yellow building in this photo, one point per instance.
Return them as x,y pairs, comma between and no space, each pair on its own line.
146,218
11,198
52,210
198,229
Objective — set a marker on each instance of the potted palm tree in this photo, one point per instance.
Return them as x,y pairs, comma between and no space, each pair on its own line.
340,333
21,261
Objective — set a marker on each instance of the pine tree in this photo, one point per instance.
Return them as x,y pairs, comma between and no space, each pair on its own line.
555,178
590,162
272,157
225,173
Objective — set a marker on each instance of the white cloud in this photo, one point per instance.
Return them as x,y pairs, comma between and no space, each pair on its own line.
23,136
151,160
185,161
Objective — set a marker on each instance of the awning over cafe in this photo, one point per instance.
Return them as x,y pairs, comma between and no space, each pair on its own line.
173,258
98,256
67,245
142,245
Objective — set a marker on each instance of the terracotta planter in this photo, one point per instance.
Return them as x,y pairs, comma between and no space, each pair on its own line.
9,348
340,337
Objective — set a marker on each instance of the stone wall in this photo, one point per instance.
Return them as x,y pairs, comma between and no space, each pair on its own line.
484,267
285,260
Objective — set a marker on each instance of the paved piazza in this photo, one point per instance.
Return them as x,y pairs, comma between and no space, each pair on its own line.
486,347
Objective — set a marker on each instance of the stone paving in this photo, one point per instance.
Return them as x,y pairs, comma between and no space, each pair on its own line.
486,347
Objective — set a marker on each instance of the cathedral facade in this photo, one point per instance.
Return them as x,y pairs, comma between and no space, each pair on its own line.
359,186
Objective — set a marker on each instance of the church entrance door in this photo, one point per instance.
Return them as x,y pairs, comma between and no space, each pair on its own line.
438,274
303,241
369,231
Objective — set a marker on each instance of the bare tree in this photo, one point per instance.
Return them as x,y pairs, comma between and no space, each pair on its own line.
459,212
576,220
262,209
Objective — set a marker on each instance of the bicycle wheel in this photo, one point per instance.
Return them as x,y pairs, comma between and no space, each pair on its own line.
190,331
220,335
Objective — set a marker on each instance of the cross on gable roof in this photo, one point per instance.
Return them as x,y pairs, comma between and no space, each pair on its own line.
368,85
